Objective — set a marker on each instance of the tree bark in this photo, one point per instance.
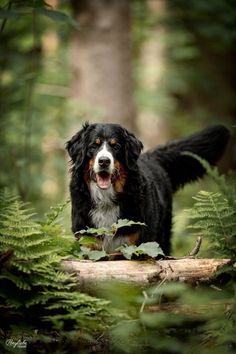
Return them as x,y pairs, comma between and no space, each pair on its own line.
189,270
101,60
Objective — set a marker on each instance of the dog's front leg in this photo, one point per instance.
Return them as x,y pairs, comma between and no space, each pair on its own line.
125,236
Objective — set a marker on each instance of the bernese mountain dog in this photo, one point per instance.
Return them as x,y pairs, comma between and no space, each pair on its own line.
112,180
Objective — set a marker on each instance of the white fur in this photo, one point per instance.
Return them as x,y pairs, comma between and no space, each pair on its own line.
104,153
105,211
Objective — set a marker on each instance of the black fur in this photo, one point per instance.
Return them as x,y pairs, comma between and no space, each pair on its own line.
152,177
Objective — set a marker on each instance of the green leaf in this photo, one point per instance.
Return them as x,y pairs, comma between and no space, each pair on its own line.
93,255
128,251
103,231
99,232
125,222
85,250
151,249
97,255
86,240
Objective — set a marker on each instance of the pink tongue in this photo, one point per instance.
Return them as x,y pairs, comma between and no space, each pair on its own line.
103,182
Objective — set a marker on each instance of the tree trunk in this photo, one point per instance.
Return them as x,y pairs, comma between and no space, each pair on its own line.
189,270
101,60
154,129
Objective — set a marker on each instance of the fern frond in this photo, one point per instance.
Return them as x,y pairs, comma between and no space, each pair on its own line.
7,198
16,280
214,216
32,280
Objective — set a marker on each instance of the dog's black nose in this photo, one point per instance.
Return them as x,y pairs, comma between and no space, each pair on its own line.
104,161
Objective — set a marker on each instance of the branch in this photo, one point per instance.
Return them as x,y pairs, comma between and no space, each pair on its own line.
196,248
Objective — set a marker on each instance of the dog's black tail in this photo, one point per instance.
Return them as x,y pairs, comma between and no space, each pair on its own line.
209,144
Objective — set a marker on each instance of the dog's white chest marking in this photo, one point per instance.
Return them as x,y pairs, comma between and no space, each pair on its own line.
105,211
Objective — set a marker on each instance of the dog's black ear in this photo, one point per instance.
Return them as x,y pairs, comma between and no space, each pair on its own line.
76,146
133,148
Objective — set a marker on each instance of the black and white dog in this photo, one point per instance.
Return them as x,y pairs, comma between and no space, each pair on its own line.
112,180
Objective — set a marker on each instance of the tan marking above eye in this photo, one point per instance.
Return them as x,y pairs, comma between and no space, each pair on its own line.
98,141
113,141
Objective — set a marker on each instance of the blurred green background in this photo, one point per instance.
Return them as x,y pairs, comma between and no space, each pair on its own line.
173,67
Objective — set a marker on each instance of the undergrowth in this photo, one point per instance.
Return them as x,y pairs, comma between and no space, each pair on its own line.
94,237
213,215
40,302
36,295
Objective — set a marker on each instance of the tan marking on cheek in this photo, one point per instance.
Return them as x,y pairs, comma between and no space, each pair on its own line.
121,179
91,163
87,170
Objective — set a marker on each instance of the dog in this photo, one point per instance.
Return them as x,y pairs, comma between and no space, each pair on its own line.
111,180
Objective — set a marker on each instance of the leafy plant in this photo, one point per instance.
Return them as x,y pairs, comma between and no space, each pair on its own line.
172,318
35,293
151,249
80,250
112,230
214,214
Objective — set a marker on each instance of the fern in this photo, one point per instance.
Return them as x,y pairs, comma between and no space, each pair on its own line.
214,214
55,211
34,291
213,217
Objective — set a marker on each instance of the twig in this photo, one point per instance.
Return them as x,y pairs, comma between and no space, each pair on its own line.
191,254
196,248
144,301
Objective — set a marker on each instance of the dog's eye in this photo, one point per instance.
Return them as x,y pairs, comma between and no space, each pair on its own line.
95,144
98,142
114,144
93,147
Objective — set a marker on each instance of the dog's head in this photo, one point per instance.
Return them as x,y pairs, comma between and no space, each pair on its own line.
104,153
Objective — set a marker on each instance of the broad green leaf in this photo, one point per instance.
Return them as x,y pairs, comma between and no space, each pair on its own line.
93,255
96,255
86,240
84,250
125,222
151,249
128,251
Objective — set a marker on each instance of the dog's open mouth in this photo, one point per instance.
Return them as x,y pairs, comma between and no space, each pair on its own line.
103,179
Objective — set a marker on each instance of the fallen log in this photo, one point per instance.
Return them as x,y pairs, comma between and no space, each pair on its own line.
189,270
